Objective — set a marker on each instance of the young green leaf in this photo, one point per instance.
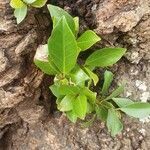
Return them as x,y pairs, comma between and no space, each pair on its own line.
108,77
39,3
41,60
66,104
58,100
90,108
105,57
101,112
69,89
80,106
63,47
58,13
107,105
92,75
55,90
72,116
20,13
60,80
17,4
76,22
113,123
122,102
78,76
89,94
116,92
87,39
46,67
137,110
29,1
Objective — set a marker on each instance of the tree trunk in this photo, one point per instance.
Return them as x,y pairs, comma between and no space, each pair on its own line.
27,119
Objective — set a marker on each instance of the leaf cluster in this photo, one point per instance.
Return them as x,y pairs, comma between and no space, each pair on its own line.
73,81
21,6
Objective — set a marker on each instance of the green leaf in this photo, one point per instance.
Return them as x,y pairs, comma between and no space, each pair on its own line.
39,3
58,13
89,94
55,90
20,13
76,22
46,67
90,108
41,60
101,112
78,76
87,39
137,110
92,75
80,106
116,92
69,89
17,4
63,47
105,57
107,105
71,115
108,78
113,123
122,102
66,104
58,100
29,1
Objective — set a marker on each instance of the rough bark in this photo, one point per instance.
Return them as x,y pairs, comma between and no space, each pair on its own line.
26,118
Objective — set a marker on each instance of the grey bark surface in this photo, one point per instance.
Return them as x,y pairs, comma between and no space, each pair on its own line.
26,121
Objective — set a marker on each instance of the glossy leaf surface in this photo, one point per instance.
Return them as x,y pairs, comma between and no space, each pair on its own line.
57,13
29,1
92,75
63,47
72,116
87,39
105,57
78,76
16,4
39,3
66,104
80,106
20,13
